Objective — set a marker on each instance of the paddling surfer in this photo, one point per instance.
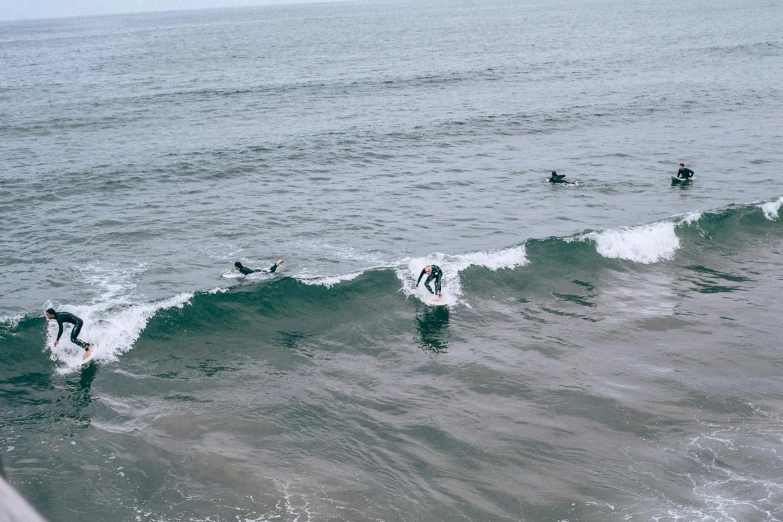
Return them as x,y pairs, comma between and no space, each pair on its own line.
433,272
557,178
247,271
65,317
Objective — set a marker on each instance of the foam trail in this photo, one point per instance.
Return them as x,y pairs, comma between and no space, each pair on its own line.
342,252
113,329
642,244
452,265
330,281
771,208
255,276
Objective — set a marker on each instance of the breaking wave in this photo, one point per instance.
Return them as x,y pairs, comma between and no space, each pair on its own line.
117,316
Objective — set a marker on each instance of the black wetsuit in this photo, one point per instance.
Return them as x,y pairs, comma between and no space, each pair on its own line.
685,173
65,317
558,178
247,271
436,274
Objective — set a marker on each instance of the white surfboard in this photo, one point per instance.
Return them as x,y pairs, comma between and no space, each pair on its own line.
435,301
90,358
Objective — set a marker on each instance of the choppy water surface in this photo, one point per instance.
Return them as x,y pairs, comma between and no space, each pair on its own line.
611,350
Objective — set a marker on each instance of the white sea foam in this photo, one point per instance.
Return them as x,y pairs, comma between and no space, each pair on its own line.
113,320
495,259
218,290
771,208
11,321
263,275
642,244
690,217
724,487
452,265
222,252
329,281
111,327
342,252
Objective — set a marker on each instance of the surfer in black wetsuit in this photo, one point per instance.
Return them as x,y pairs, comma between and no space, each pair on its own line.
557,178
433,272
684,173
65,317
247,271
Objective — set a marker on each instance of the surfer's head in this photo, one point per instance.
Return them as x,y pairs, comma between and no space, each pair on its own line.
237,266
428,269
682,166
50,313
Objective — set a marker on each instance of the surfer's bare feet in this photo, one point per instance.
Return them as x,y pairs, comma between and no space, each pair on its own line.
280,261
88,352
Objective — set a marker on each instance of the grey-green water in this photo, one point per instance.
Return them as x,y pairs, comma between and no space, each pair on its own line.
611,351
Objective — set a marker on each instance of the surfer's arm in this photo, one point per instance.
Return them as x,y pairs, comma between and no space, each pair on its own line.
420,276
60,330
277,263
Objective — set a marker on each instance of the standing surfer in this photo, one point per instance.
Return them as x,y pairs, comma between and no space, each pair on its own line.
65,317
684,173
433,272
246,271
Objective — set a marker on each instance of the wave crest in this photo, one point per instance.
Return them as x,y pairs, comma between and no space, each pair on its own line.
113,329
771,208
330,281
452,265
643,244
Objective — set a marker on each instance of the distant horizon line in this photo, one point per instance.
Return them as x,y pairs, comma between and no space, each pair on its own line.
273,3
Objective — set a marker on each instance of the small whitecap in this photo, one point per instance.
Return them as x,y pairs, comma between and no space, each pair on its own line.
771,208
643,244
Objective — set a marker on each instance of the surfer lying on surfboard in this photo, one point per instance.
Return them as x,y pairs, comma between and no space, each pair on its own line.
560,178
557,178
246,271
433,272
65,317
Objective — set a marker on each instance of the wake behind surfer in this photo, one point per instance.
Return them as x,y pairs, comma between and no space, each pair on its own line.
684,173
433,272
65,317
247,271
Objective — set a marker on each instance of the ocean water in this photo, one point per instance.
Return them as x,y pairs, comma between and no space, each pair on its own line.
611,350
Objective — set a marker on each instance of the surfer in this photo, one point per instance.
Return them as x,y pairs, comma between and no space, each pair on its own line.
65,317
246,271
684,173
433,272
557,178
